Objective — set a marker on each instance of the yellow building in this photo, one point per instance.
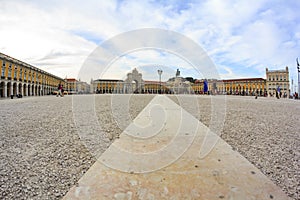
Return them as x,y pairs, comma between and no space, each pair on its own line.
278,79
20,78
102,86
74,86
245,86
71,85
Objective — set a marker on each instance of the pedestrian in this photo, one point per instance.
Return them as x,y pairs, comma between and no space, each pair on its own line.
62,90
59,88
278,93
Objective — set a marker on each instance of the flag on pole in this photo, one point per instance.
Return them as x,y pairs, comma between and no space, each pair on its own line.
205,86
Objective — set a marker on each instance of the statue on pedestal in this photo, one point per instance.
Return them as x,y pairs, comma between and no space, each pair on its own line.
177,73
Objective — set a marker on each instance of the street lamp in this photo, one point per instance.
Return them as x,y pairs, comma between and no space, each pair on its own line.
159,73
298,67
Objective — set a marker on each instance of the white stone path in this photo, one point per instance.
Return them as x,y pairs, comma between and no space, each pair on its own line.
158,157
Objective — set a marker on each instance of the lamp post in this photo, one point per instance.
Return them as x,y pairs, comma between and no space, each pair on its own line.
298,70
298,81
159,73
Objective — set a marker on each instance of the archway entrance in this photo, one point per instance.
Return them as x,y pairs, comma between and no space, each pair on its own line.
32,90
28,91
134,82
2,89
20,89
24,90
15,88
8,89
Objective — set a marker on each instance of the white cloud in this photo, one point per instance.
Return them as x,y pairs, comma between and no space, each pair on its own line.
241,37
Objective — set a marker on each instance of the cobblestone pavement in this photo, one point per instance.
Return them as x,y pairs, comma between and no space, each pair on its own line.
266,131
42,156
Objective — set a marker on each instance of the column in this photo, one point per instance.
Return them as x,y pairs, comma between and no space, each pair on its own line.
22,89
17,88
11,89
5,89
33,90
26,90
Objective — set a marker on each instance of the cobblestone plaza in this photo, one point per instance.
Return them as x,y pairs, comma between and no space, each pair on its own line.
42,155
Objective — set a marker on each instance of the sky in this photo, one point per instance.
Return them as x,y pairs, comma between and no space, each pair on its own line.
240,37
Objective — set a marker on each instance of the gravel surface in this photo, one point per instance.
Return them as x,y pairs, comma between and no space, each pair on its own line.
42,156
266,131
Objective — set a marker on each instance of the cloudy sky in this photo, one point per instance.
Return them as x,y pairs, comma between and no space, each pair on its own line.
241,37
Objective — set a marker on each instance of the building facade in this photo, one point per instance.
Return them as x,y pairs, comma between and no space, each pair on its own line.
132,84
102,86
180,85
20,78
244,87
74,86
111,86
278,80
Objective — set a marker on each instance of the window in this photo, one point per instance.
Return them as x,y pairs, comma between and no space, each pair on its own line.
15,72
3,68
9,71
21,70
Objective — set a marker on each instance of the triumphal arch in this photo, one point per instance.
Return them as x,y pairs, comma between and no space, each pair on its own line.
134,82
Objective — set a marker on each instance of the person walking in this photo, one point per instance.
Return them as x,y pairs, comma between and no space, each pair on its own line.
62,90
278,93
59,89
